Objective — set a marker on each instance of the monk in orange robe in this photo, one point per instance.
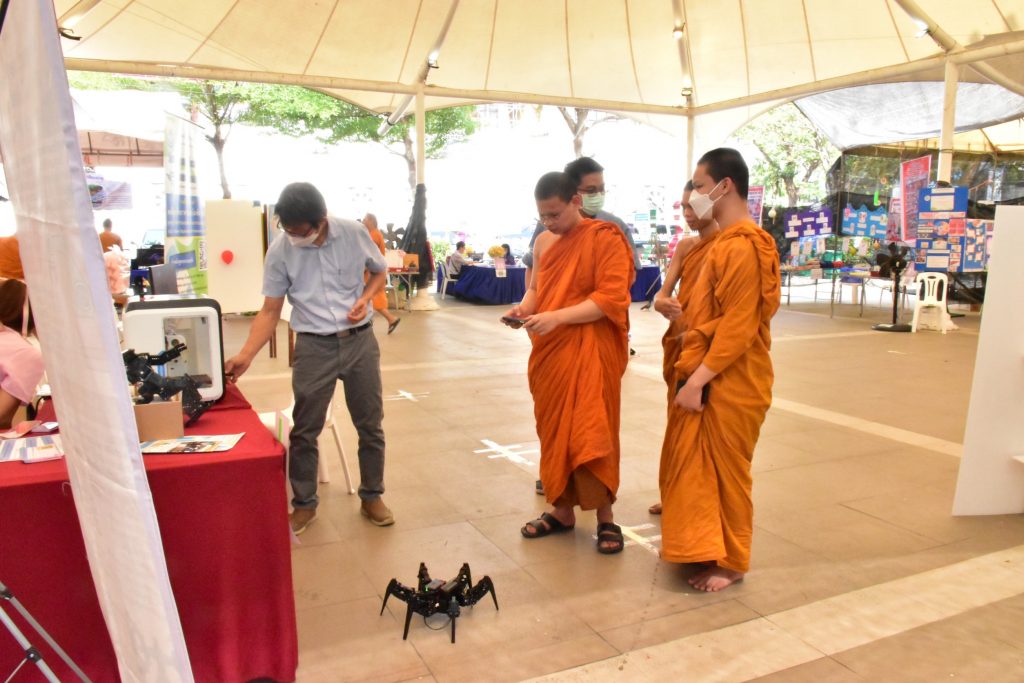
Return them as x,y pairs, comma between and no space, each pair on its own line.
684,268
577,313
710,437
380,300
10,259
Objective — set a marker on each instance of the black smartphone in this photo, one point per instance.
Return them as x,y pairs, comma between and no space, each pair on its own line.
513,322
703,392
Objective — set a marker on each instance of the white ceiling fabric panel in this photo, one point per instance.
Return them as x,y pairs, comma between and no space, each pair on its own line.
608,54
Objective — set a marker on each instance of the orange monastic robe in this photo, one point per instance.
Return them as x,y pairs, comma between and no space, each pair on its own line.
705,462
10,259
672,341
575,371
380,300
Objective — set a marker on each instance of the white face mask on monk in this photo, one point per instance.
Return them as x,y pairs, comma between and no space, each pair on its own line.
703,204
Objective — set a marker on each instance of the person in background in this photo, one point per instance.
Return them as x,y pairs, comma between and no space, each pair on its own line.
684,269
318,263
380,300
457,259
108,237
510,260
21,363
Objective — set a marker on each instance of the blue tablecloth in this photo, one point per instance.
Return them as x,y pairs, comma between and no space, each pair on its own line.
481,284
648,282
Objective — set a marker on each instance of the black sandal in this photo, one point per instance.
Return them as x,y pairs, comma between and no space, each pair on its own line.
608,532
545,525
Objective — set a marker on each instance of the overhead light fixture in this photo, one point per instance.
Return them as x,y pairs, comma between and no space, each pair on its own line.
687,91
923,29
432,59
677,32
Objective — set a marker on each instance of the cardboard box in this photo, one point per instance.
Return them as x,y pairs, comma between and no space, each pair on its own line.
159,420
411,261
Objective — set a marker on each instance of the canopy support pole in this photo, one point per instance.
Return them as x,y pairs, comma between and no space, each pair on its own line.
421,136
945,170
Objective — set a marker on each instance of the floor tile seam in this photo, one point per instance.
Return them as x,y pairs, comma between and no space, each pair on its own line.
878,429
939,542
774,619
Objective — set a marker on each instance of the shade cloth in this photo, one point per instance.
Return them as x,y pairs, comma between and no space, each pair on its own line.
223,520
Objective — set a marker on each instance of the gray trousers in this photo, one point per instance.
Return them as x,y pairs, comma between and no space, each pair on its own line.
319,363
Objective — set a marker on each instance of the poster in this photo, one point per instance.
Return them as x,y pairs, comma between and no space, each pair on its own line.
185,243
105,193
863,223
894,231
808,223
755,203
941,224
914,175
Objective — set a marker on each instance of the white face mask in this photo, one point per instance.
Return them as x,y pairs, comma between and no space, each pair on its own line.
306,241
592,203
703,204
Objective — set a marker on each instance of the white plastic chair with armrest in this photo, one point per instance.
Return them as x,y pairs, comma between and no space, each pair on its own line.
280,425
443,271
931,300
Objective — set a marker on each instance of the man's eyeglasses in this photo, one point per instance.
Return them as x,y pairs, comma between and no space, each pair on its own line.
592,189
295,233
552,217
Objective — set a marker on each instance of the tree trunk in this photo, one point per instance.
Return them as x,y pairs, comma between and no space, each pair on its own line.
410,160
791,190
218,145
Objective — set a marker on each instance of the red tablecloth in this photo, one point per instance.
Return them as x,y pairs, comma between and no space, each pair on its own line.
223,520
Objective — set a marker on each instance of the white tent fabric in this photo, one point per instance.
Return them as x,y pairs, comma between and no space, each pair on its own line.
64,269
893,112
618,55
123,128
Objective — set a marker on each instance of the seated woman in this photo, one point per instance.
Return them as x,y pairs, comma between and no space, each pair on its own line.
510,260
21,364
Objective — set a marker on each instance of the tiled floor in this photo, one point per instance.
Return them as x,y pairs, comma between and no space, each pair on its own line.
859,571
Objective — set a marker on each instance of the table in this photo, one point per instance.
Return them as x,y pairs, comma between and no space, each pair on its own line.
482,285
647,284
404,276
223,520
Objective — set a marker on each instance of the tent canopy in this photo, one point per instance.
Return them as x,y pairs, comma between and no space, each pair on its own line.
621,55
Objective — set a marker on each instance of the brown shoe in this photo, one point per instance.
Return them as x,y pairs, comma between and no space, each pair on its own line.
301,519
377,512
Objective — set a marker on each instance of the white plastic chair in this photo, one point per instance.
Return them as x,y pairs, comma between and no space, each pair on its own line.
931,299
280,425
442,269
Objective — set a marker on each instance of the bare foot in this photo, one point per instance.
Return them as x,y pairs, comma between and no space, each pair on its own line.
714,579
655,509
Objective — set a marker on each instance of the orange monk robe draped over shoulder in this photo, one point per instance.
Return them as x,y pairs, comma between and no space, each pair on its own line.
705,475
575,371
672,341
380,300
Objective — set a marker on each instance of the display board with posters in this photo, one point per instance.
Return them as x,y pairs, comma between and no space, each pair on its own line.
863,223
808,223
942,212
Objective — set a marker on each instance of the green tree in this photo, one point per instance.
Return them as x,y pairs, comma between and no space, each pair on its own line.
294,111
795,155
443,127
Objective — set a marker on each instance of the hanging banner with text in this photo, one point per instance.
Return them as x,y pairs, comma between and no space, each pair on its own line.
185,244
755,203
914,176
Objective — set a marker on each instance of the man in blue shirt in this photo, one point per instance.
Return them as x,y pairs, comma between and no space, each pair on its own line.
318,263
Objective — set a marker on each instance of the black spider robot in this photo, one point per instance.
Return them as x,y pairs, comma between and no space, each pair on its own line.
433,596
139,368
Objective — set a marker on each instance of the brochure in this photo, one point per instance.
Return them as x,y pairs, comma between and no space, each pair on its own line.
31,449
192,444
